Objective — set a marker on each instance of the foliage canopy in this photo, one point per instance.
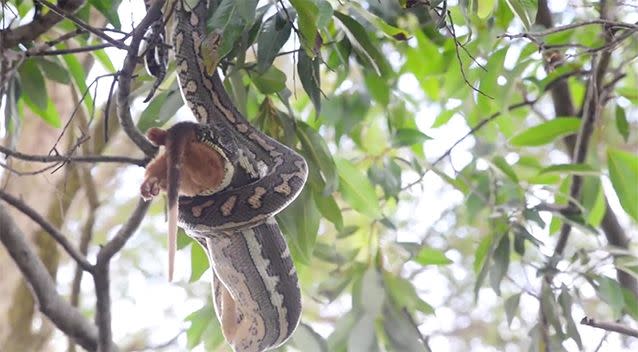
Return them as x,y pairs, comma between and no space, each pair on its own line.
473,166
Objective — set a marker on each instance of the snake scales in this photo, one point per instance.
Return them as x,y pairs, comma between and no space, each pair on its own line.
255,286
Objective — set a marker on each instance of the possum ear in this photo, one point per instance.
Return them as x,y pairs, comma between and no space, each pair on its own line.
157,136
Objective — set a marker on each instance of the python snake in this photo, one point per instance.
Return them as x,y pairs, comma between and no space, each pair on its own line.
255,287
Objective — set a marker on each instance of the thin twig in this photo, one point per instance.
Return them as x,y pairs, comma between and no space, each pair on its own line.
123,96
62,12
607,23
473,130
610,326
27,33
119,240
457,44
68,158
46,226
68,51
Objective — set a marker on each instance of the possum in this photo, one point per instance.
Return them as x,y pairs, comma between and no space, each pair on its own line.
185,167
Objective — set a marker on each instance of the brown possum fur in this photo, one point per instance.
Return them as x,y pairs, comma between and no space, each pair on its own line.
185,167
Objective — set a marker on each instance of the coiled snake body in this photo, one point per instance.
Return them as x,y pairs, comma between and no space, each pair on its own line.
255,286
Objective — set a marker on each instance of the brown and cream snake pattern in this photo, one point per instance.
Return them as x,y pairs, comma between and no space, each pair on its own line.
256,293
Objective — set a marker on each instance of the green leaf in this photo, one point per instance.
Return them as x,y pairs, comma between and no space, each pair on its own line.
409,136
306,339
329,209
550,308
546,132
444,117
230,19
621,123
308,70
357,190
199,319
213,336
485,8
431,256
389,30
404,294
361,42
363,337
11,114
400,330
378,88
572,169
609,290
565,302
269,82
54,70
386,175
480,255
183,239
104,59
511,306
161,109
108,8
623,172
338,339
50,115
631,303
531,214
500,264
314,147
597,208
199,262
308,15
79,78
300,223
505,168
371,292
33,87
148,118
273,35
324,17
525,10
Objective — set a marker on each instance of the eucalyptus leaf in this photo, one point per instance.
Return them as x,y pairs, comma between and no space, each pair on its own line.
623,172
33,85
511,306
308,70
546,132
273,35
357,190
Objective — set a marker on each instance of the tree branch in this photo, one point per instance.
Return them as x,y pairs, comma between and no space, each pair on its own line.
55,234
119,240
101,275
610,326
69,158
68,15
563,106
123,104
592,110
67,318
28,32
